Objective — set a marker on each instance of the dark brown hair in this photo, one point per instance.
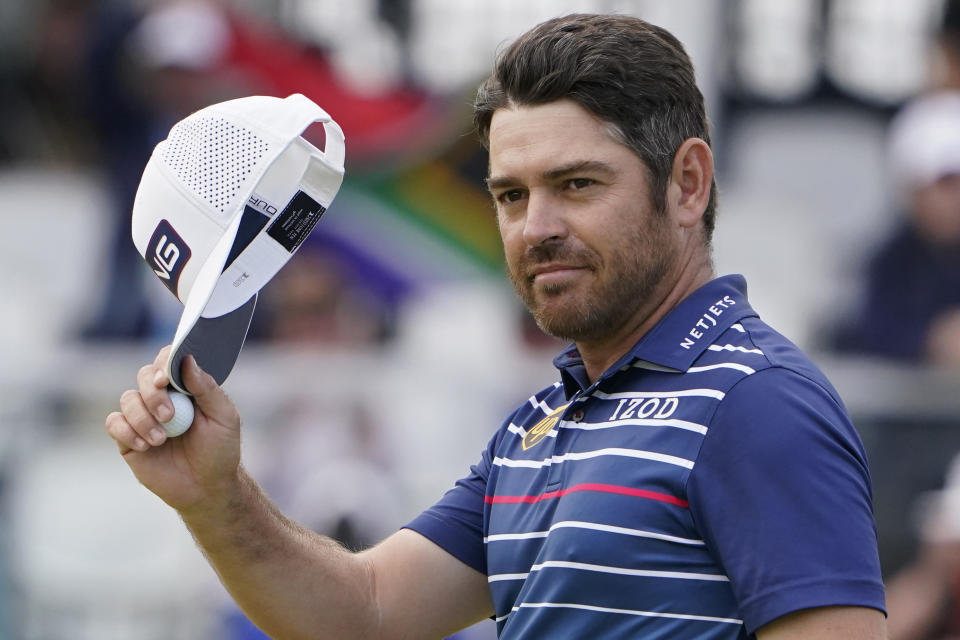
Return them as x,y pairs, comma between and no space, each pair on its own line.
631,74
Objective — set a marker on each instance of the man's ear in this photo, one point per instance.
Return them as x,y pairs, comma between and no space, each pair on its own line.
688,191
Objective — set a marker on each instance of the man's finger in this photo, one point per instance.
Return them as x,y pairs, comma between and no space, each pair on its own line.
160,362
140,418
154,394
121,431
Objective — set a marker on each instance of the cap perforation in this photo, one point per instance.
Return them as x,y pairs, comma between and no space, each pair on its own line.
212,157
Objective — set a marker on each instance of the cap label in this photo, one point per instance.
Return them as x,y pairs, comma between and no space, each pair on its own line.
261,204
167,254
296,221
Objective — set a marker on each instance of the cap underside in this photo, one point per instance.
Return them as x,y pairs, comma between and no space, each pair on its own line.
214,342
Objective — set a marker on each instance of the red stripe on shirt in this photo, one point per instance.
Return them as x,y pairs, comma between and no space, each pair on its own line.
604,488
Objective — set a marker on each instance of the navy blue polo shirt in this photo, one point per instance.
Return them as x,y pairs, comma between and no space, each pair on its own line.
708,483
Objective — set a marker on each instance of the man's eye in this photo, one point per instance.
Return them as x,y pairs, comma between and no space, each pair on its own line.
510,196
579,183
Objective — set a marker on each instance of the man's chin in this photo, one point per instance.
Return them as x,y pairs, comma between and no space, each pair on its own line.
567,328
552,302
559,311
563,320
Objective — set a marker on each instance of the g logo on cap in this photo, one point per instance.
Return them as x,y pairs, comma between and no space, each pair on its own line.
167,254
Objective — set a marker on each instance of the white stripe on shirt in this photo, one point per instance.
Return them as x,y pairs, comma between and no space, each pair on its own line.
723,365
599,568
628,422
629,612
539,404
520,431
594,526
733,347
680,393
585,455
636,422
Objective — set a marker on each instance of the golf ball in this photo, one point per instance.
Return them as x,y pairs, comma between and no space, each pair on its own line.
182,414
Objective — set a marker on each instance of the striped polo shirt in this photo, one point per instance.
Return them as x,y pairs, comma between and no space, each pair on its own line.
706,484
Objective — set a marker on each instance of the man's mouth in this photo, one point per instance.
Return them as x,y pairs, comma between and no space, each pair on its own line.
553,272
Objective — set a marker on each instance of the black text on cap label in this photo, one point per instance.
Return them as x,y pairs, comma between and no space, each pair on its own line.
296,221
167,254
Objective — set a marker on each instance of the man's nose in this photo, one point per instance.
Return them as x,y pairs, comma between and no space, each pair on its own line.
544,219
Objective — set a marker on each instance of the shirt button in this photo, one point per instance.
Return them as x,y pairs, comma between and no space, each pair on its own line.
577,415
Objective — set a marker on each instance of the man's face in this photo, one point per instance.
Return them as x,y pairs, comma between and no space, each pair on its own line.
584,247
936,210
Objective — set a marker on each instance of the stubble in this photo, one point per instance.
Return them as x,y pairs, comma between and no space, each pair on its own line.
621,284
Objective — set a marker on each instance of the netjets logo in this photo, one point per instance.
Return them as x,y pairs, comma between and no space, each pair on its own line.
539,431
167,254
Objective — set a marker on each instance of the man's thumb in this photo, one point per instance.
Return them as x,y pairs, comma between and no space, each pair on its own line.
207,394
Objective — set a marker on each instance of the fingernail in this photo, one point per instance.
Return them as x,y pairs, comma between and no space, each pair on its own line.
159,377
140,444
164,413
157,435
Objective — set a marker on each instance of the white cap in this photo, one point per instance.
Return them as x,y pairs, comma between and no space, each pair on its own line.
925,139
223,203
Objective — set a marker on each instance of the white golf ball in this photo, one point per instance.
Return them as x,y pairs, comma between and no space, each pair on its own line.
182,414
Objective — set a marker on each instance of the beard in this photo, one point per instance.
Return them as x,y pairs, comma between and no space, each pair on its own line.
623,283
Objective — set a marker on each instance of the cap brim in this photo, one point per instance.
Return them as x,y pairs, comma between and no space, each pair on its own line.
214,342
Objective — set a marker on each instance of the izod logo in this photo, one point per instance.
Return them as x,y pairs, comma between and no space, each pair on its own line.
167,254
539,431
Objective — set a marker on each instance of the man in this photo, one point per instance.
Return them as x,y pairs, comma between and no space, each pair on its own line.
692,475
910,306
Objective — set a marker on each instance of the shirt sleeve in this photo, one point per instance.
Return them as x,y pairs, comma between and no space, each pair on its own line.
455,522
781,494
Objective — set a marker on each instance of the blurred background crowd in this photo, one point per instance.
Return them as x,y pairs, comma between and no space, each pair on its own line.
837,138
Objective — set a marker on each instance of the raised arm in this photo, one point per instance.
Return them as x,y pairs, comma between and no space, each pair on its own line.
827,623
292,582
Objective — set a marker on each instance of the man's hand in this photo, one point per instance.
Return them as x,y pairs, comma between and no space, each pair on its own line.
192,469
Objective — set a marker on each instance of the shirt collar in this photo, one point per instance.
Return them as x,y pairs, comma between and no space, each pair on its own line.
681,336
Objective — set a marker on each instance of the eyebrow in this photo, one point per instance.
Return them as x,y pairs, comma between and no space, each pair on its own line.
592,166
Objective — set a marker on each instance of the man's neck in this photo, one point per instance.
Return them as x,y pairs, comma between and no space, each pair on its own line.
600,355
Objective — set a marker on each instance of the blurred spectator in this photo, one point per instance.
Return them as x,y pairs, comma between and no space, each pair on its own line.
315,300
923,599
947,47
126,134
911,307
